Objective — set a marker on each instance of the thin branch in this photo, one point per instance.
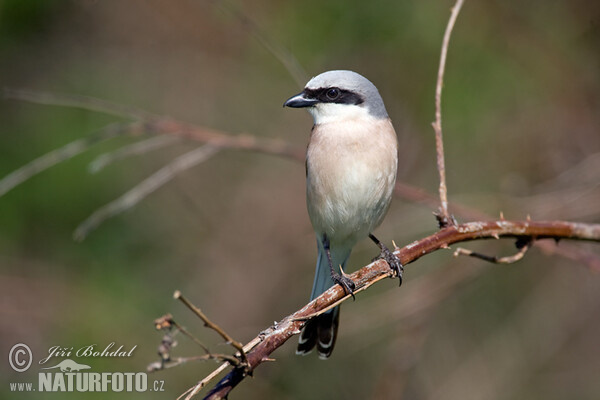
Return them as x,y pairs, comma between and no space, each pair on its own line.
144,188
78,101
61,154
191,392
192,337
278,334
444,216
157,124
209,324
167,323
567,250
159,366
494,259
134,149
221,139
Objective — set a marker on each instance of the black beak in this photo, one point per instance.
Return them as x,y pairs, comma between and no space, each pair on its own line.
299,101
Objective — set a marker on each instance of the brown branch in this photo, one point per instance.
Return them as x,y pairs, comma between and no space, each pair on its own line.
167,323
144,188
209,324
278,334
176,362
494,259
64,153
444,217
78,101
191,392
278,147
569,251
158,124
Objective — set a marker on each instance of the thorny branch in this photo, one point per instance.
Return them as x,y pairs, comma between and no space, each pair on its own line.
278,334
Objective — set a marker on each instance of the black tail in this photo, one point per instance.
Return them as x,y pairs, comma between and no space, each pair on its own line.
320,331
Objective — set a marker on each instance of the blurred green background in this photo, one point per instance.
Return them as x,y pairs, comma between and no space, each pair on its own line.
522,133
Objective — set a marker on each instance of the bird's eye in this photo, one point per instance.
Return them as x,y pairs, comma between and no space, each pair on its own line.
332,93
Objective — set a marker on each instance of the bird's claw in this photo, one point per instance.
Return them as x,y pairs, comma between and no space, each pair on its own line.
393,261
345,282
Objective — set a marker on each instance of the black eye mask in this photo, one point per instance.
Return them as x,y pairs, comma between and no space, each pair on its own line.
334,95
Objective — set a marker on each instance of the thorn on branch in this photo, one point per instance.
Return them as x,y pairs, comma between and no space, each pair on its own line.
444,220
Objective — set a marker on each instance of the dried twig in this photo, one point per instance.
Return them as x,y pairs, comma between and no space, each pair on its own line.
444,217
175,362
191,392
78,101
158,124
278,334
167,323
61,154
137,148
209,324
144,188
494,259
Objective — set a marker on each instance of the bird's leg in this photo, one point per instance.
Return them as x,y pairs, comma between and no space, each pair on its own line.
392,260
341,279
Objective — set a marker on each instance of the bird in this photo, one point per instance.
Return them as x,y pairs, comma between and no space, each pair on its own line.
351,167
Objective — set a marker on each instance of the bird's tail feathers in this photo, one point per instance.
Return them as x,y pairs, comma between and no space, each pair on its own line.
321,331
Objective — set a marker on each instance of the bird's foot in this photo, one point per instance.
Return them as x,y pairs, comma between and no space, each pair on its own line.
345,282
392,260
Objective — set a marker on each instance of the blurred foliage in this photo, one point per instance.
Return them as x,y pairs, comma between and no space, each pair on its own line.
521,122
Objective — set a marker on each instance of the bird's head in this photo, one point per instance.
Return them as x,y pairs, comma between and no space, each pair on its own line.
339,96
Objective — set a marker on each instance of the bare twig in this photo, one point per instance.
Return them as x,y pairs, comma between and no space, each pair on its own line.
175,362
152,123
167,323
61,154
191,392
494,259
209,324
78,101
134,149
291,325
144,188
224,140
192,337
444,217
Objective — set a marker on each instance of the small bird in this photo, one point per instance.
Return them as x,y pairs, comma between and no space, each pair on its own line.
351,165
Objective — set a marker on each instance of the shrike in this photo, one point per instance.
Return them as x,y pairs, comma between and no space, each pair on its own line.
351,165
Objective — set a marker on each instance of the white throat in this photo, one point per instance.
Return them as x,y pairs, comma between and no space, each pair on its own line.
324,113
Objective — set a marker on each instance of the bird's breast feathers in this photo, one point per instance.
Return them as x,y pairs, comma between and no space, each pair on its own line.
351,171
